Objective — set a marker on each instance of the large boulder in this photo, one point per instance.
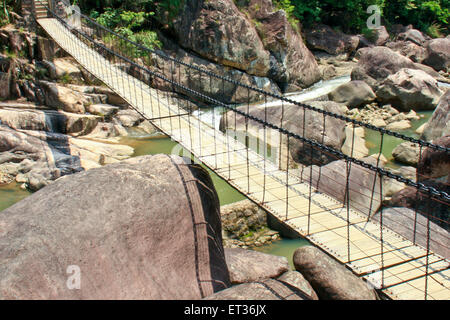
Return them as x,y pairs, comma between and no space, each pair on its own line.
324,38
330,279
410,89
434,207
64,98
218,31
49,120
296,279
413,35
126,245
292,65
251,266
363,184
353,94
439,124
66,68
380,36
298,120
214,87
434,163
413,225
407,153
438,54
377,63
45,156
409,49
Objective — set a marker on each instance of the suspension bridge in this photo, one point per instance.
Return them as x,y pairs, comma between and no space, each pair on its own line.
399,267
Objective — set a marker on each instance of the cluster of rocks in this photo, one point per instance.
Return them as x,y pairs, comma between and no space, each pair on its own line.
384,116
245,225
134,244
267,52
317,276
55,119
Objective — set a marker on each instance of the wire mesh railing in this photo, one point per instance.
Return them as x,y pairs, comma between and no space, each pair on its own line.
289,142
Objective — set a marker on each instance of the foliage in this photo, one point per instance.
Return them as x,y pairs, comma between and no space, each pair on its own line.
421,14
4,12
131,25
164,10
351,15
435,31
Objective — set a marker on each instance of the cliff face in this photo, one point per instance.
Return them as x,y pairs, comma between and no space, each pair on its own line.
256,39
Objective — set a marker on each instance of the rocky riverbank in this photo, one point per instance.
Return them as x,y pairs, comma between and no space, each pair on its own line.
55,118
113,236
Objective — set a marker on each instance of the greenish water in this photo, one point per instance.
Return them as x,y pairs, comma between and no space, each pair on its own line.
163,144
10,194
373,139
284,248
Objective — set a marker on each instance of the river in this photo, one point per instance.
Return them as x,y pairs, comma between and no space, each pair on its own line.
155,144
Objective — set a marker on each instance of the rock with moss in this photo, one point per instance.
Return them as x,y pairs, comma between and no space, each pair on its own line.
245,225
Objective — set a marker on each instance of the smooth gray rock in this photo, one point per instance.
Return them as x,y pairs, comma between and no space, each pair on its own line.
438,54
136,230
353,94
433,163
296,279
413,35
407,153
249,266
413,226
363,184
410,89
330,279
439,124
377,63
292,118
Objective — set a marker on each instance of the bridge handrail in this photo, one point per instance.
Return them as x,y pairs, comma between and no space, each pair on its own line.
420,142
382,172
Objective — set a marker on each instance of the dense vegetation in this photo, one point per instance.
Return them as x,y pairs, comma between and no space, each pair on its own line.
431,16
137,19
6,6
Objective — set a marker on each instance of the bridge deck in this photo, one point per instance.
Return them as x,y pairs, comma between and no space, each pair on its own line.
402,263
